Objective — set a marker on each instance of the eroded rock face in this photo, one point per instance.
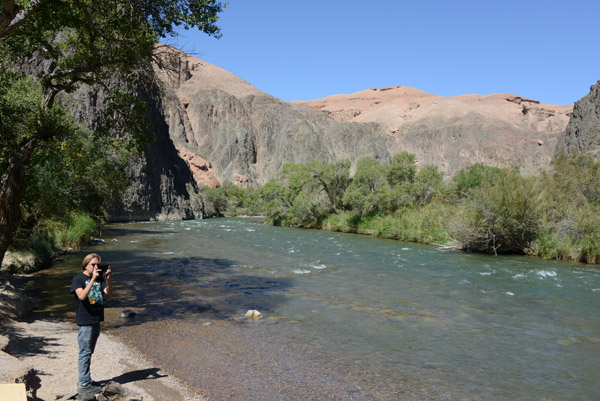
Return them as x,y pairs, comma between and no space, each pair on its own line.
454,132
162,184
247,136
582,134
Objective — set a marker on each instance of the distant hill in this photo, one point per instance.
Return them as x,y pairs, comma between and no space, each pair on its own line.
454,132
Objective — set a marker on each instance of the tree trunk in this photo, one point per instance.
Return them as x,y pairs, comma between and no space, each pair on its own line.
12,189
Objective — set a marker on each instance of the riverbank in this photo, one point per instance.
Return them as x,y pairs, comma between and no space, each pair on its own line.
50,346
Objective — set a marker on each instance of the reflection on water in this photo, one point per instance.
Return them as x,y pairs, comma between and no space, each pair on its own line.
383,313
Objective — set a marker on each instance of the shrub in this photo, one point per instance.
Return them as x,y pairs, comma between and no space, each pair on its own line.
77,230
345,222
548,245
472,177
589,221
501,216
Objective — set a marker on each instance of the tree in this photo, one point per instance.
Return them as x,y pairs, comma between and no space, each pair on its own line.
403,168
428,183
74,42
471,177
369,191
332,178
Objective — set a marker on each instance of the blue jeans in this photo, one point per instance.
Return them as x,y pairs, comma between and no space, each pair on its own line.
86,337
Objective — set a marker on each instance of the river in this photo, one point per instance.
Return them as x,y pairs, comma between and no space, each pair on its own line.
350,317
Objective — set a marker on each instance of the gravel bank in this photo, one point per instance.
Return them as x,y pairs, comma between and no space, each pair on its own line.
50,346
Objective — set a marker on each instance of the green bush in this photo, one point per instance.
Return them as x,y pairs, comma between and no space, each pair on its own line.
589,221
548,245
502,216
74,232
345,222
230,200
472,177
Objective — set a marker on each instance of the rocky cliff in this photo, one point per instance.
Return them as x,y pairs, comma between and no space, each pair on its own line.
245,136
162,185
454,132
582,134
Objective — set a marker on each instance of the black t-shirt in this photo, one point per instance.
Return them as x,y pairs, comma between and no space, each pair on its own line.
91,310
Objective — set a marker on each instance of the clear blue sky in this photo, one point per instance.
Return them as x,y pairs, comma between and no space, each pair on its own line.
307,49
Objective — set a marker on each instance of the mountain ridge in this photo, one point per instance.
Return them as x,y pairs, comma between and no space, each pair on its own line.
453,132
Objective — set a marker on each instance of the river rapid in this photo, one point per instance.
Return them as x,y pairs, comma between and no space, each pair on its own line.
348,317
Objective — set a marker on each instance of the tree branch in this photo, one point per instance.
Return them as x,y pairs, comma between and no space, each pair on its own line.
13,16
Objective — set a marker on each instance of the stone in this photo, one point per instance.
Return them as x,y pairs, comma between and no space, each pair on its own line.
162,185
253,314
114,391
454,132
127,313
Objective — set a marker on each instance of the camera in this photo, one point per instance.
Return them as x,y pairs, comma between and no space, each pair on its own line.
103,268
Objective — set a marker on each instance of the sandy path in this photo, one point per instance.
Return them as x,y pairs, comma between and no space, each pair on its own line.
50,346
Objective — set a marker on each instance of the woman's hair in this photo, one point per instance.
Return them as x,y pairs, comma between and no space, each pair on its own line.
88,258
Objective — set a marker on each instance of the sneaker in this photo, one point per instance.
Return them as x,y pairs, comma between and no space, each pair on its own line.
89,390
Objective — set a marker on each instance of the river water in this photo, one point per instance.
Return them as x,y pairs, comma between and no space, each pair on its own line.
351,317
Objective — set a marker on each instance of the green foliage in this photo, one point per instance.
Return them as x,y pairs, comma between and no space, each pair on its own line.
20,112
571,210
79,172
429,183
43,240
230,200
550,245
332,178
91,41
402,169
472,177
77,230
77,42
369,191
555,215
502,216
420,189
305,194
345,222
71,169
590,245
427,225
573,181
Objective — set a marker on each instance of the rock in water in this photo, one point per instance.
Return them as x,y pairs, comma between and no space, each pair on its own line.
253,314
